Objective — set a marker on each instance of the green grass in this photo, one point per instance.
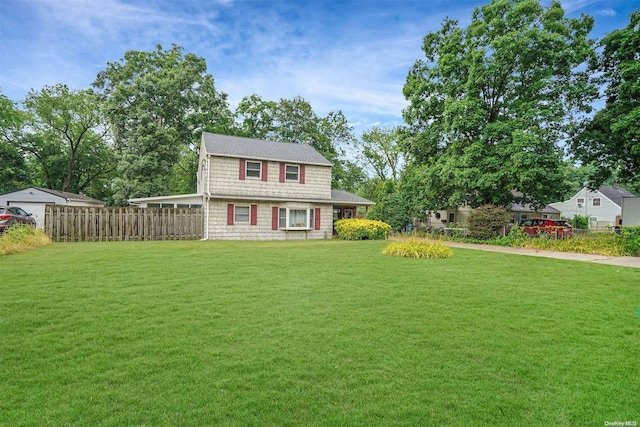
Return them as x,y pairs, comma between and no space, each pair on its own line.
313,333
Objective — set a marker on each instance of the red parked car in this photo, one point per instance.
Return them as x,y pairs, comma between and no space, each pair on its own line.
10,215
544,227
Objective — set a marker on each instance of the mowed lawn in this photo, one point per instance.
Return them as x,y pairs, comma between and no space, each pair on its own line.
313,333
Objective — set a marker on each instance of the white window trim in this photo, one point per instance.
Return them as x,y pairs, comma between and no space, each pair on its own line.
593,202
235,214
309,223
246,170
297,175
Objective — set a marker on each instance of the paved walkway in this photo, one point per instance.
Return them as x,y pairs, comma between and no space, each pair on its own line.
622,261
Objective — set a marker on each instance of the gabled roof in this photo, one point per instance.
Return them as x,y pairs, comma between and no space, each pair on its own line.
70,197
615,194
342,197
526,207
250,148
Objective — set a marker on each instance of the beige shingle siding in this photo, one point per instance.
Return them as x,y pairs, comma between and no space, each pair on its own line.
224,179
219,230
222,182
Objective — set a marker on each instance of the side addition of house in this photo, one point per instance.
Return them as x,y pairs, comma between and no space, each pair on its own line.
265,190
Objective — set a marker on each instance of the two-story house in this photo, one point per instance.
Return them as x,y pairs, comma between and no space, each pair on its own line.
263,190
603,206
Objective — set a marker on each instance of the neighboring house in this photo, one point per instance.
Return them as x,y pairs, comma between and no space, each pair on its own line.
254,189
34,199
603,206
519,212
523,211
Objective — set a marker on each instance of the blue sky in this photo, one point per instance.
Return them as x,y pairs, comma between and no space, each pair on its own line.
351,56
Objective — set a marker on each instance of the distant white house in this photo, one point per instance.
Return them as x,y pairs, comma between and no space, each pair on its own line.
34,199
603,206
460,215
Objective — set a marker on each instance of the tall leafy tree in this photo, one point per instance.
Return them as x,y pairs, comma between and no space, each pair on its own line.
66,137
157,104
380,150
14,172
490,103
294,121
610,140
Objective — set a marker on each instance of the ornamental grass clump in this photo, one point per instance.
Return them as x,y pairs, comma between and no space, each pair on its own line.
418,249
22,237
362,229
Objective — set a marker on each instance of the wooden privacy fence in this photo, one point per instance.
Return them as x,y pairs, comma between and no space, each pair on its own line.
94,224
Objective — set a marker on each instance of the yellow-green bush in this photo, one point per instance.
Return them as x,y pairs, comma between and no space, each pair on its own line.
21,237
362,229
592,243
418,249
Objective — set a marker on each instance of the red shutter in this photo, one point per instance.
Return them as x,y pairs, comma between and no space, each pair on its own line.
254,214
282,169
316,219
243,168
265,168
301,174
230,212
274,218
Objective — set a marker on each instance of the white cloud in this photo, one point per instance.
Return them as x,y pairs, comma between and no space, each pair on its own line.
607,12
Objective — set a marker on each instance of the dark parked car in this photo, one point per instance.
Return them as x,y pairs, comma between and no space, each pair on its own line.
538,227
10,215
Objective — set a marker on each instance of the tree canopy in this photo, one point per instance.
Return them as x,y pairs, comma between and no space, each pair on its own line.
295,121
66,137
491,103
610,140
380,150
14,172
157,104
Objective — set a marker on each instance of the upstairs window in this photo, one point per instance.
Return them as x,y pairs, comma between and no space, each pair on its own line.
596,201
292,173
253,169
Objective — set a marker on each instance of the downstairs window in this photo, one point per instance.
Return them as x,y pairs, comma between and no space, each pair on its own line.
296,218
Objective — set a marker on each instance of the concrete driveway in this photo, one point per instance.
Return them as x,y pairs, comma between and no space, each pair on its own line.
622,261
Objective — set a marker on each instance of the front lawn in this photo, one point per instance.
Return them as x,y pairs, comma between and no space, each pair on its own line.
313,333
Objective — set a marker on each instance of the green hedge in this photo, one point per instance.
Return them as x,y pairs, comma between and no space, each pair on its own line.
631,240
362,229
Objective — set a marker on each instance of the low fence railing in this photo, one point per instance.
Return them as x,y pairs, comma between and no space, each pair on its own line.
94,224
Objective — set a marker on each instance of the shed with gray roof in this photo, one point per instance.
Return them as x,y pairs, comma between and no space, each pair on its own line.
34,199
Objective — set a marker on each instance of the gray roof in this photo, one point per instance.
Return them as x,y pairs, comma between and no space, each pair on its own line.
250,148
526,207
342,197
72,197
615,194
338,197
